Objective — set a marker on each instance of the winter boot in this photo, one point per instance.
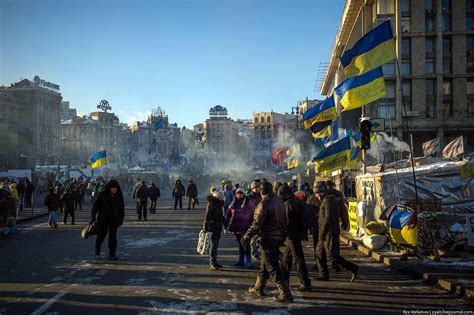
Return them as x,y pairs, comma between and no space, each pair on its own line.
259,286
249,261
284,293
241,260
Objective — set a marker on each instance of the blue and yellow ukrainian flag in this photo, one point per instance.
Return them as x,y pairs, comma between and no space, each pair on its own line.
321,115
356,154
323,133
400,230
357,137
334,157
358,91
374,49
99,159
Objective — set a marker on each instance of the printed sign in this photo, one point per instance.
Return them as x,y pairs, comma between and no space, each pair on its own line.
352,210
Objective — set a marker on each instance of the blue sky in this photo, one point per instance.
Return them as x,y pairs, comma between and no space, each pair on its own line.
185,56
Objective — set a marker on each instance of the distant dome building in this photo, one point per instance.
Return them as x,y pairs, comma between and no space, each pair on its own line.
218,111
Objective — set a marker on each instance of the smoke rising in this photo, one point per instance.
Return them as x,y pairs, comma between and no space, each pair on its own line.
381,151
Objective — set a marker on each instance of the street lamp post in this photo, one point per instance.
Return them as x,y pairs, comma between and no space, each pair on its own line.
296,110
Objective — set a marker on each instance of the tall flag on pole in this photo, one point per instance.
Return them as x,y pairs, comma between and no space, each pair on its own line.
374,49
293,155
357,137
333,157
361,90
99,159
320,115
356,154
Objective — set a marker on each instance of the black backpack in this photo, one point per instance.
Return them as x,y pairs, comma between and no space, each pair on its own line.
309,217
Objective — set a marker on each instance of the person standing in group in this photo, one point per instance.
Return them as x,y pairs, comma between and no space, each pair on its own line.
239,217
178,193
329,231
213,222
294,208
154,195
192,194
30,189
301,193
270,223
21,188
68,201
53,203
254,195
229,196
141,195
109,212
76,191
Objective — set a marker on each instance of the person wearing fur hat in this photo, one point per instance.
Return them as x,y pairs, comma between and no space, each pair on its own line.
213,222
109,212
239,217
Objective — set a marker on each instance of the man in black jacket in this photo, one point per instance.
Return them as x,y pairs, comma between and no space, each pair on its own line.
270,223
154,195
109,212
294,208
192,194
141,195
178,193
68,206
329,231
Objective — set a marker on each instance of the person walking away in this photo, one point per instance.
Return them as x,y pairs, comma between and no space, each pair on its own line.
294,208
109,212
229,196
313,200
178,193
30,189
343,214
213,222
53,203
329,231
76,191
269,222
154,195
301,193
141,195
254,195
68,201
239,217
192,194
82,190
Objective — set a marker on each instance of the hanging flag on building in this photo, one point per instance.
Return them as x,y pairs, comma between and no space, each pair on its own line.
99,159
323,133
333,157
431,147
361,90
320,115
373,50
454,148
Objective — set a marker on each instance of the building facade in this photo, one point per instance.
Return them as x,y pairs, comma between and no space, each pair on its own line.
221,132
67,111
435,49
83,136
270,131
39,121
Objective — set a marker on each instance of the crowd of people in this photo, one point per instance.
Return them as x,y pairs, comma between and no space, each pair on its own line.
276,216
261,215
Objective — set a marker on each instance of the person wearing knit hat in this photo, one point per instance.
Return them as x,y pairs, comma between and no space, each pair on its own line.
213,222
329,231
302,194
254,195
270,224
239,217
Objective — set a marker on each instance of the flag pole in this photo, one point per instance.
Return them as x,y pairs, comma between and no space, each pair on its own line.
408,130
394,158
